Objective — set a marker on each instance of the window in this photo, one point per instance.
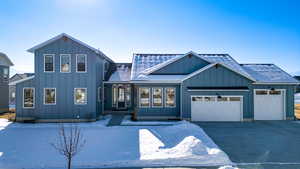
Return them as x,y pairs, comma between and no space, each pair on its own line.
221,99
81,63
99,94
157,97
234,99
50,96
170,97
49,63
197,99
128,93
80,96
275,92
5,73
210,99
65,63
144,97
261,92
115,96
28,97
13,95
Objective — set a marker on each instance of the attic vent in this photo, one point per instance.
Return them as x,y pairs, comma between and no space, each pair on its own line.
65,38
217,65
190,56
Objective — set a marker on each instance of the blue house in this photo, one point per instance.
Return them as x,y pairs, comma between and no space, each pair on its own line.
76,81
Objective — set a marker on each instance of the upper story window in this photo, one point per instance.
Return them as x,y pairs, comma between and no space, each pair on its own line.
28,97
48,63
65,63
80,95
5,73
170,97
144,97
50,96
81,63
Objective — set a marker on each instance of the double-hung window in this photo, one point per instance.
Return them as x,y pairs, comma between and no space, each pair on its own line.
28,97
170,95
65,63
49,63
81,63
5,73
157,97
80,96
144,94
49,96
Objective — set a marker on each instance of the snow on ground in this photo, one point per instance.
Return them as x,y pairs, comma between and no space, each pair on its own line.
181,144
127,121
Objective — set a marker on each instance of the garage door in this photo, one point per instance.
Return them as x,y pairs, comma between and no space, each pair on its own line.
269,105
214,108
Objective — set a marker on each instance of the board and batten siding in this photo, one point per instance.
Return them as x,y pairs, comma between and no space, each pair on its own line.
216,77
182,66
27,113
4,90
172,112
66,82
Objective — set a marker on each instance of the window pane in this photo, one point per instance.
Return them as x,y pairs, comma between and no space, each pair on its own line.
128,93
50,96
196,99
49,63
28,100
5,73
261,92
115,95
80,96
234,99
170,97
81,63
209,99
157,97
144,97
222,99
275,92
121,94
65,63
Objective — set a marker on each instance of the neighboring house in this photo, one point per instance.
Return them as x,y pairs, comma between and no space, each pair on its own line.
18,77
298,87
76,81
5,63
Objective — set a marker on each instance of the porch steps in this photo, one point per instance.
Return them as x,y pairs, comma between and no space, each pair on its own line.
116,120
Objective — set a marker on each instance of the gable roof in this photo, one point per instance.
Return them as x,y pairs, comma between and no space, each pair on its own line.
212,65
31,50
20,76
6,58
269,73
20,81
142,64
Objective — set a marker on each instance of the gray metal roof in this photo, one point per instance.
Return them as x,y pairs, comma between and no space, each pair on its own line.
144,62
268,73
122,73
4,60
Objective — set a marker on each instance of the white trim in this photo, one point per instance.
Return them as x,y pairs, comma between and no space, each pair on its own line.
165,94
70,62
45,96
53,56
112,82
99,94
20,81
31,50
162,97
211,65
240,96
283,91
33,104
86,95
140,106
84,65
161,65
212,90
275,83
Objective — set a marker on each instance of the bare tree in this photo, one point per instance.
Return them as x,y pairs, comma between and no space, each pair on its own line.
70,142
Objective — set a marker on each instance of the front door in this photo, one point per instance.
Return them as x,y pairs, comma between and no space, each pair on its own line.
121,104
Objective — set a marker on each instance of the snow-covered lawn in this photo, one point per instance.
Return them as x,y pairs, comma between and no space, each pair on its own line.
180,144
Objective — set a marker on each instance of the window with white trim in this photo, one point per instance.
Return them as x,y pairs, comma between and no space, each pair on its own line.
144,97
5,73
28,97
50,96
80,95
157,97
170,94
81,63
49,63
65,63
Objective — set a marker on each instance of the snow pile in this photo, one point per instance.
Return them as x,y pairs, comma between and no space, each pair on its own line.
127,121
180,144
4,123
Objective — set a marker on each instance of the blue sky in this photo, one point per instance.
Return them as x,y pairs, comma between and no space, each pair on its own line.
251,31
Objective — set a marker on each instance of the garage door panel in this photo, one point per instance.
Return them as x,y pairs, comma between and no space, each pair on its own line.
210,109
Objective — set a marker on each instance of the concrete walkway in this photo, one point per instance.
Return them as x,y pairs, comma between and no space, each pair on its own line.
116,120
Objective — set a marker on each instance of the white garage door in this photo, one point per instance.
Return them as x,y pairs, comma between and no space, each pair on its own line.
213,108
269,105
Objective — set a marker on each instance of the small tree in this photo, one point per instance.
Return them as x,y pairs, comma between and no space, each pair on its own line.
70,142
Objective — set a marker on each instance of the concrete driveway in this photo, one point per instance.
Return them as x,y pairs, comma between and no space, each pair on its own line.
261,143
